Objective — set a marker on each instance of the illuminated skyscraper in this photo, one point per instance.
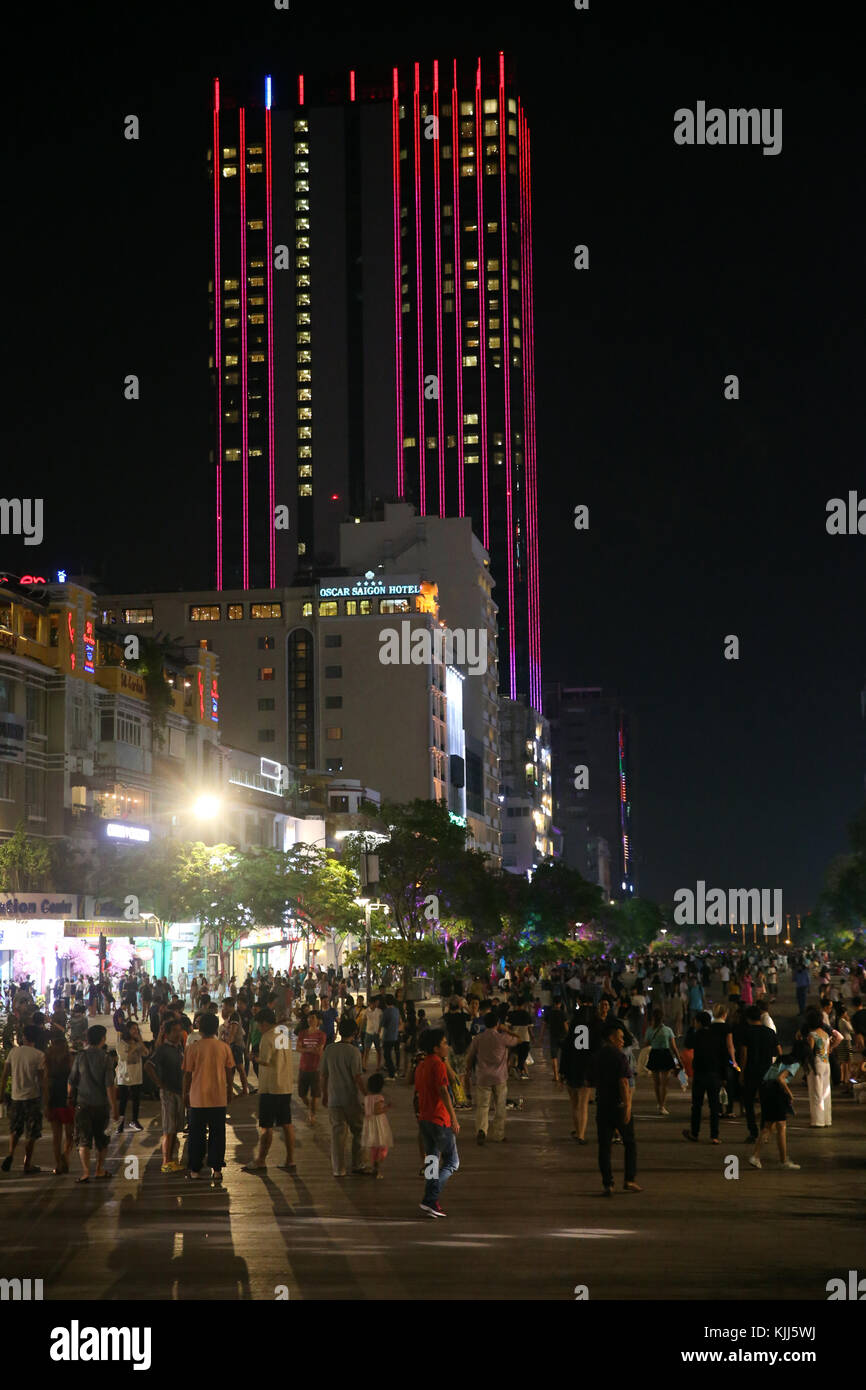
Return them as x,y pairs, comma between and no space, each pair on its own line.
372,325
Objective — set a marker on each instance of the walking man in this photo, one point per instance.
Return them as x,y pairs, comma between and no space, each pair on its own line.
488,1053
165,1069
275,1091
207,1085
93,1090
613,1095
391,1035
342,1092
26,1064
438,1122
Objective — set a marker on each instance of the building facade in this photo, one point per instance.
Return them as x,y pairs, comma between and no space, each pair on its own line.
526,773
372,324
593,766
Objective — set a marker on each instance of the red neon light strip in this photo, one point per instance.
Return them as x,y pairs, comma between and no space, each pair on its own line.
352,85
527,378
301,89
482,310
458,288
531,477
398,301
422,437
270,261
217,280
245,452
437,219
505,338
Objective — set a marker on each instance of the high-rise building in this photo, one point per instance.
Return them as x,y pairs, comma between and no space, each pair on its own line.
592,740
372,319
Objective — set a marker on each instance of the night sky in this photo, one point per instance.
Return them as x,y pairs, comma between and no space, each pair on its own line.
707,516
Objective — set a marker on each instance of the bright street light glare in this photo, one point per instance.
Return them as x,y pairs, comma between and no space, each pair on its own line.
206,807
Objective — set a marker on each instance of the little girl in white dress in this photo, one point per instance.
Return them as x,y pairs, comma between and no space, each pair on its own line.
376,1134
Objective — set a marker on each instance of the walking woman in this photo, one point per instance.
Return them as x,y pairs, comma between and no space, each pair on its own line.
664,1058
843,1051
819,1046
130,1059
572,1067
55,1081
776,1105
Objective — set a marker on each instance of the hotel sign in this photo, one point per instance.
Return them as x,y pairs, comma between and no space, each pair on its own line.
370,585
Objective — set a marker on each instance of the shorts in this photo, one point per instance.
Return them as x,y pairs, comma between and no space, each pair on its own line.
660,1059
238,1054
309,1084
25,1117
372,1040
274,1110
91,1126
61,1114
173,1112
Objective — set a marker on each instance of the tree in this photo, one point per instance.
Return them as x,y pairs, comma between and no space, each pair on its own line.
25,862
632,925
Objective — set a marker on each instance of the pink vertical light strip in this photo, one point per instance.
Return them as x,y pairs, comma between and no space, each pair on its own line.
398,298
217,318
482,308
269,215
245,450
437,221
505,339
458,289
419,290
531,475
352,85
524,326
300,89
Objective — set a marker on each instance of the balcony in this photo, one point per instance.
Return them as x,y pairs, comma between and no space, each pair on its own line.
119,681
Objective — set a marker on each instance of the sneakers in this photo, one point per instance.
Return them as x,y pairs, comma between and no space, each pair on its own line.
789,1164
139,1129
755,1162
431,1208
119,1129
172,1168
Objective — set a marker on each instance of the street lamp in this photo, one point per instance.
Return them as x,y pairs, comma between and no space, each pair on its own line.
207,807
368,904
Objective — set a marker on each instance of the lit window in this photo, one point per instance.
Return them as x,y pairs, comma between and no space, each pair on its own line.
230,152
304,374
470,419
470,361
304,318
305,412
305,489
515,283
303,262
232,455
256,318
137,615
490,107
302,167
256,225
470,458
305,470
494,342
305,394
329,609
333,733
467,108
229,171
307,608
254,168
231,284
267,673
256,280
409,442
304,338
302,550
472,284
493,263
208,613
234,612
305,432
493,226
256,356
303,280
302,224
470,439
491,168
305,451
302,205
266,610
351,607
302,243
467,170
366,606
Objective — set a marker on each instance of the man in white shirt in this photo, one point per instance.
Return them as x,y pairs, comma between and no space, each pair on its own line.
373,1033
26,1064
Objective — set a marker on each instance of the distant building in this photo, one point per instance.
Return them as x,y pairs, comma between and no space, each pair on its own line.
592,739
527,831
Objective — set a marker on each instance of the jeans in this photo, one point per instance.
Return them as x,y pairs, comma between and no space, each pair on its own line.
132,1093
207,1124
705,1083
441,1141
483,1097
802,994
392,1053
751,1087
607,1121
344,1120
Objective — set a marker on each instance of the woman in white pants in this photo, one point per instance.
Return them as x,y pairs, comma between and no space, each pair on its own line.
820,1046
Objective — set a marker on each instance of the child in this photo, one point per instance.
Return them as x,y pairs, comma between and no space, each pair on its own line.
376,1134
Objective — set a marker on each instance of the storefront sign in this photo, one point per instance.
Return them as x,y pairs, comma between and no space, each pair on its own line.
119,830
36,905
15,935
13,733
104,926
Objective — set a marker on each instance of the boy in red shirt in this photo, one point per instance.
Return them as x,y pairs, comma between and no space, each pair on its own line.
439,1123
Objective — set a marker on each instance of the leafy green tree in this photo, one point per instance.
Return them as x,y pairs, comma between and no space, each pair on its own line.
25,862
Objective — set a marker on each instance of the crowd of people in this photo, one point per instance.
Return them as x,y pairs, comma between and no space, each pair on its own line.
311,1036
